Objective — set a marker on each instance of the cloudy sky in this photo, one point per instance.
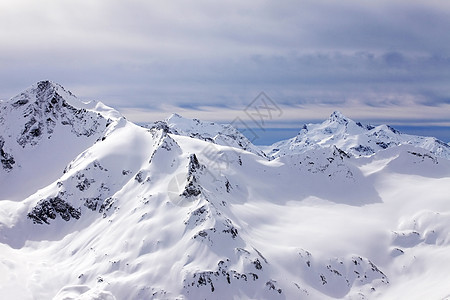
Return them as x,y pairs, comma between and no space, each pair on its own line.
382,61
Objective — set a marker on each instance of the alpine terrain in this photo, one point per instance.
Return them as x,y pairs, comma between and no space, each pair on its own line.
93,206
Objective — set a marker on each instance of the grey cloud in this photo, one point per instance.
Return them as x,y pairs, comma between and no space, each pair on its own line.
141,53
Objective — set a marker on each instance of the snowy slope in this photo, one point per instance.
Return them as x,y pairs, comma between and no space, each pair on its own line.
354,138
43,128
148,213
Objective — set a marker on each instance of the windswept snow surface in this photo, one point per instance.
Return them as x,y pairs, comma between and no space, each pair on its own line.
171,211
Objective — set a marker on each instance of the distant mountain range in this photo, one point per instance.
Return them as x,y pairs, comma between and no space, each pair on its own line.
93,206
354,138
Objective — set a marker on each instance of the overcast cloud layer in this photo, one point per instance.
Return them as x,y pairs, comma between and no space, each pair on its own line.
386,61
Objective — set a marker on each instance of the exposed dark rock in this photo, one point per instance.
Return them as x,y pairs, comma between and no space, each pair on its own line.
424,156
340,153
106,205
92,203
139,177
383,145
257,264
222,273
393,130
231,230
193,188
6,159
339,118
441,143
49,109
194,165
83,183
166,145
202,233
363,149
50,208
200,137
271,285
20,102
227,186
162,125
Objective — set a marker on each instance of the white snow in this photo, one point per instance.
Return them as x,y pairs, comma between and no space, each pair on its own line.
354,138
180,214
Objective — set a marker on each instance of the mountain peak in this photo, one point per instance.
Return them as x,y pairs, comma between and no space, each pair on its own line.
175,116
44,91
48,96
47,84
354,138
337,116
39,111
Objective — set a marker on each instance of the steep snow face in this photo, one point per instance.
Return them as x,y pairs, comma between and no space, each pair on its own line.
43,128
219,134
354,138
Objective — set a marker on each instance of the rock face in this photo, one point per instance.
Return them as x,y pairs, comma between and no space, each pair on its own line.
6,159
44,106
185,209
192,188
49,209
49,108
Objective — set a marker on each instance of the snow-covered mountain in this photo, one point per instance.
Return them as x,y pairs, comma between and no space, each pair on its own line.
41,130
355,138
182,210
225,135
